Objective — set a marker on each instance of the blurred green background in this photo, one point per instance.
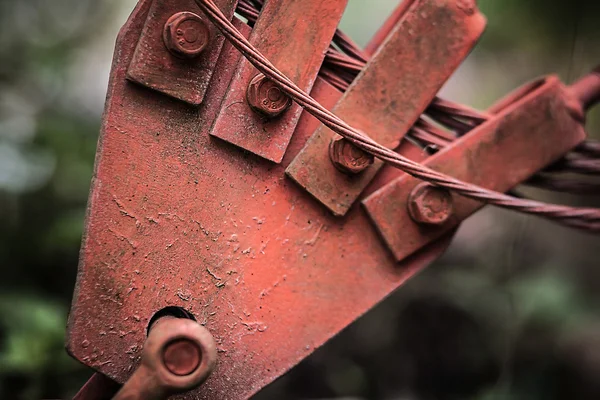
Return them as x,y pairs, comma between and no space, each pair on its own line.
511,312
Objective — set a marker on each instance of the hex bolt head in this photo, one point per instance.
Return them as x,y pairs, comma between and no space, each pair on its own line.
348,158
186,35
182,357
430,205
266,98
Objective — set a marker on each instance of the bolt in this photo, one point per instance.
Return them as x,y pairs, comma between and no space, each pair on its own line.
267,98
182,357
430,205
179,355
348,158
186,35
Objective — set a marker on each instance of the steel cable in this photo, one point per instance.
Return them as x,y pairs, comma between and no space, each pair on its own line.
589,218
340,68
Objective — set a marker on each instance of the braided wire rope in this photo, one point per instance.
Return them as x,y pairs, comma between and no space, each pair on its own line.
344,61
587,218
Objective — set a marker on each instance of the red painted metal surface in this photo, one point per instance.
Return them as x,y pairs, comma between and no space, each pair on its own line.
391,93
177,218
294,35
530,129
154,66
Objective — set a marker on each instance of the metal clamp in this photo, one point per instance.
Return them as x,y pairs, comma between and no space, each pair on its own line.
529,130
178,50
255,115
388,97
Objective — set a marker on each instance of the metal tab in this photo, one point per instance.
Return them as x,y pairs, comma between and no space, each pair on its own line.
295,36
182,76
428,44
531,129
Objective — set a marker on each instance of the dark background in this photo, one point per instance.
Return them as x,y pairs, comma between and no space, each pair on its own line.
511,312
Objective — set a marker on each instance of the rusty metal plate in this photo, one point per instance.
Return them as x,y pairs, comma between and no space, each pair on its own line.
294,35
155,67
386,99
530,129
177,218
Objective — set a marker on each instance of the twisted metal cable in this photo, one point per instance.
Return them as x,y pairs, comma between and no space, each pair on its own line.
348,60
575,217
340,69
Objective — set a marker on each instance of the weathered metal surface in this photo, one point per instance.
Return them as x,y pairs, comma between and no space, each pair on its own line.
294,35
530,129
155,66
177,218
429,42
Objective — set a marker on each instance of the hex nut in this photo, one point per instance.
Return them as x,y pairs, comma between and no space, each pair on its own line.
266,98
348,158
186,35
430,205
